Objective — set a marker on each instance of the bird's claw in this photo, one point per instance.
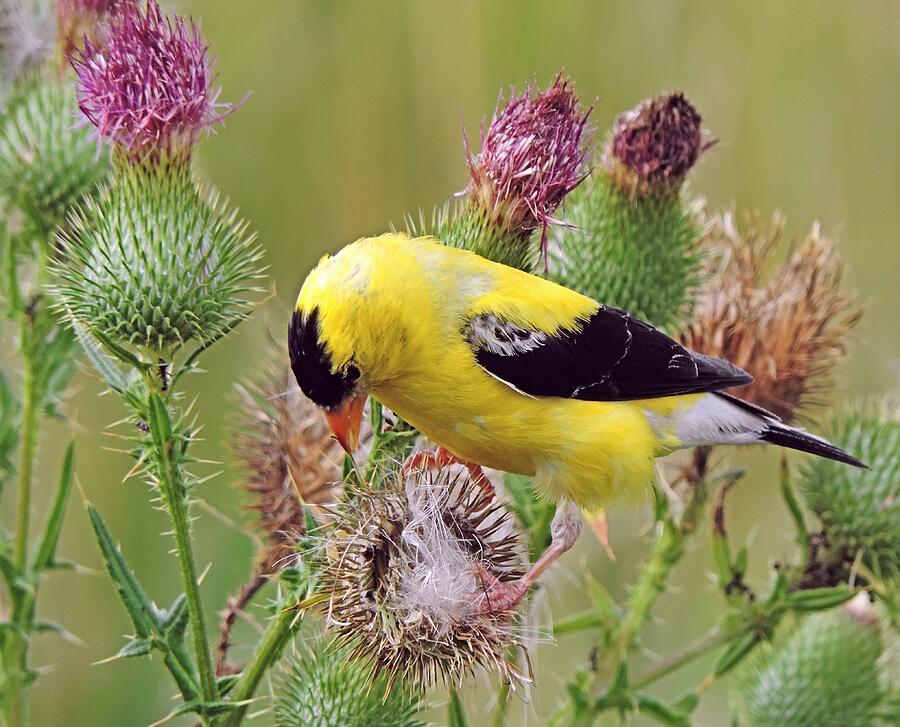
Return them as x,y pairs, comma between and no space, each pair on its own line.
497,597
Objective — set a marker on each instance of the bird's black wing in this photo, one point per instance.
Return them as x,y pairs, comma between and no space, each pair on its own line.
609,357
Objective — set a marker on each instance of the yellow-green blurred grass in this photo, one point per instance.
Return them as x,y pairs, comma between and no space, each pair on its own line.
356,118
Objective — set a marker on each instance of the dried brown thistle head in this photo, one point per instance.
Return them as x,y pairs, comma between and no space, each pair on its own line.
289,456
401,571
787,324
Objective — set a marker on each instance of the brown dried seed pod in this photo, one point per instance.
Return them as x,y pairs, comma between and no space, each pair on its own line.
290,457
400,570
787,325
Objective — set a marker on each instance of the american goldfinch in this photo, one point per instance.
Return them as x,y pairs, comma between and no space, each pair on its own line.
511,371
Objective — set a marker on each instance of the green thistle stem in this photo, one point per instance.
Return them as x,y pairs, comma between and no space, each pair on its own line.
668,549
270,647
29,425
174,492
689,653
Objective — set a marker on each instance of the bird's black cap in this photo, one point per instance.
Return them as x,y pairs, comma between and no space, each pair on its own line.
312,365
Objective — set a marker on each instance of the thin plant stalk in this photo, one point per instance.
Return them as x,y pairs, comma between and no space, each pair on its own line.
267,652
172,486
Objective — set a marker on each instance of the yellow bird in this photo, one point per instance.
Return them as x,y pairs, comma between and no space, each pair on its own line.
508,370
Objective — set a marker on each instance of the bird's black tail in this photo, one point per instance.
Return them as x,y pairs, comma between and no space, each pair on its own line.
785,436
774,431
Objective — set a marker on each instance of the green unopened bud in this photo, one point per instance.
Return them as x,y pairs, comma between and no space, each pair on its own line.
860,508
156,262
825,673
46,163
632,241
323,687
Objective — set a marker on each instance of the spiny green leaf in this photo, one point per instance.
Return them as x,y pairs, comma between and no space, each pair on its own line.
135,647
46,552
819,599
132,595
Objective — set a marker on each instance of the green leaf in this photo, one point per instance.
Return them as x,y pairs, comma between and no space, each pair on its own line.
46,552
735,653
819,599
456,715
9,428
102,362
135,647
661,713
793,506
132,595
175,621
226,682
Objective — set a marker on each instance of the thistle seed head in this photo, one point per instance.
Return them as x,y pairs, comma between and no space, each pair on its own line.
148,85
532,155
289,457
654,145
401,576
789,327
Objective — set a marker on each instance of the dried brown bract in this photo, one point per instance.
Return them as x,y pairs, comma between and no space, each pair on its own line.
787,324
289,457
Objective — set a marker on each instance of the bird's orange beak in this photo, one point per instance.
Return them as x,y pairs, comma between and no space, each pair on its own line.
345,422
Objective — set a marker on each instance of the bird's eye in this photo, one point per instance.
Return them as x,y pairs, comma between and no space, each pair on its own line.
352,374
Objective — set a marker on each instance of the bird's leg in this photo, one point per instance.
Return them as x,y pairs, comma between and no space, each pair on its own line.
501,597
439,458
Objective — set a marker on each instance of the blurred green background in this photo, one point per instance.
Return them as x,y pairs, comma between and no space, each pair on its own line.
355,119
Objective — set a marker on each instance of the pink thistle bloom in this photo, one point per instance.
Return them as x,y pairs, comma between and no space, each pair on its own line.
148,85
531,157
659,140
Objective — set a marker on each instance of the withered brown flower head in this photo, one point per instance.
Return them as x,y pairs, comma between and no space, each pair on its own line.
403,571
289,456
787,324
655,144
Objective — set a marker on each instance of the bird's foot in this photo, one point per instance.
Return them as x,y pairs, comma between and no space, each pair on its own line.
497,597
440,458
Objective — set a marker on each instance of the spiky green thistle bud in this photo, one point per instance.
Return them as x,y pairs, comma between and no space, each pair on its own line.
826,673
323,687
156,261
632,238
47,164
860,508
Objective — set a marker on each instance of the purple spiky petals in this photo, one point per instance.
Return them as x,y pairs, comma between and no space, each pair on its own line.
532,155
148,85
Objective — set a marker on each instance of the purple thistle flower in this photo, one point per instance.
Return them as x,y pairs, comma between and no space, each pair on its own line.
531,157
658,141
148,86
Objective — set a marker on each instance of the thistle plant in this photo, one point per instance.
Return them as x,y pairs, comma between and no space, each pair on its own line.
633,237
832,655
860,511
787,324
322,686
533,153
401,574
154,271
47,166
112,244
